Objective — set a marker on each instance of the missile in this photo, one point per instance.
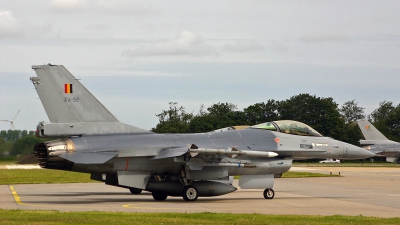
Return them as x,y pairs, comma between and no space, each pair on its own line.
233,152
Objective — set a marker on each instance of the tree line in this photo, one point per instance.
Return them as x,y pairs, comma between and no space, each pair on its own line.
17,142
323,114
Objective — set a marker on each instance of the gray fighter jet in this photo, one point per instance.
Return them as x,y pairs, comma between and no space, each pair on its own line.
93,141
377,143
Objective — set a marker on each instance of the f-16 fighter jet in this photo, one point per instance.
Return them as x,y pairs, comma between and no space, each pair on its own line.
377,143
93,141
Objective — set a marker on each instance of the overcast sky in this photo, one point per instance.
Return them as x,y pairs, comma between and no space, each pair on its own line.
136,56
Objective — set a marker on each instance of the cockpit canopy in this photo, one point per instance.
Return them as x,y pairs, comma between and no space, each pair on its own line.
288,127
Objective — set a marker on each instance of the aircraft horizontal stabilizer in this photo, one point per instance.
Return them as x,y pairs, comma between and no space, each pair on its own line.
88,157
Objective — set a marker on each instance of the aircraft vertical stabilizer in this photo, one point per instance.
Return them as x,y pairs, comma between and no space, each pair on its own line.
65,99
369,131
376,142
71,108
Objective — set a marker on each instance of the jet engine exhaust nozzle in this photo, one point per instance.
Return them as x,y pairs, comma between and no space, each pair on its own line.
48,153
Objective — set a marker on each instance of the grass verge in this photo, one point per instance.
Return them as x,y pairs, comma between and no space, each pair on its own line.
42,176
291,174
55,217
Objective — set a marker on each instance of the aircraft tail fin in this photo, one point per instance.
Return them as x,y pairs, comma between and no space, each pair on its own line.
65,99
369,131
71,108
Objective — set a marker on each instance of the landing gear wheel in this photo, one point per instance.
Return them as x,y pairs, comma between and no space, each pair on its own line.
159,196
135,191
190,193
269,193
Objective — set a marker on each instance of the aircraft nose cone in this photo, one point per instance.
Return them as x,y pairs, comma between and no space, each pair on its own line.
355,152
369,154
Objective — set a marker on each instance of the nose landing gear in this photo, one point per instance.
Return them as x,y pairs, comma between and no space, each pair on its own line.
269,193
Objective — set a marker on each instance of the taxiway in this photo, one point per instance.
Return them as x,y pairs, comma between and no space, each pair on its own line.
359,191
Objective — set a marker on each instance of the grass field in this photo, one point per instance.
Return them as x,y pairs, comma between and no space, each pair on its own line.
55,217
42,176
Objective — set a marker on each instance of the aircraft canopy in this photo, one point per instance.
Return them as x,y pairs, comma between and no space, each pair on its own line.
288,127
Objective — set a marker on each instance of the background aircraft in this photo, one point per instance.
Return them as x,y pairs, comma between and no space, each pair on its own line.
188,165
377,143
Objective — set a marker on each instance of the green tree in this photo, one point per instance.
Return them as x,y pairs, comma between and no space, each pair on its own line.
173,120
379,116
24,133
261,112
386,118
13,135
320,113
5,147
351,112
352,133
393,123
25,145
218,116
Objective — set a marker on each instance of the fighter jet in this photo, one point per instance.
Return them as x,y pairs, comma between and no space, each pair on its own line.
93,141
377,143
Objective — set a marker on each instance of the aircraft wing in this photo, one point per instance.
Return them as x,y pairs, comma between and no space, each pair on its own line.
171,152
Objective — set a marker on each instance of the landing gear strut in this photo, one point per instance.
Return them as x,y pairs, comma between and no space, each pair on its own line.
269,193
190,193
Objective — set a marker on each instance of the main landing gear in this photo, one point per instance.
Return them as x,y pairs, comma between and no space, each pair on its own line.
269,193
190,193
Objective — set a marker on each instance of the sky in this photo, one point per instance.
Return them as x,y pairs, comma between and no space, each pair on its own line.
136,56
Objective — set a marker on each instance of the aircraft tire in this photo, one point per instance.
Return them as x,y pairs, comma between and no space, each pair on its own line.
159,196
135,191
190,193
269,193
